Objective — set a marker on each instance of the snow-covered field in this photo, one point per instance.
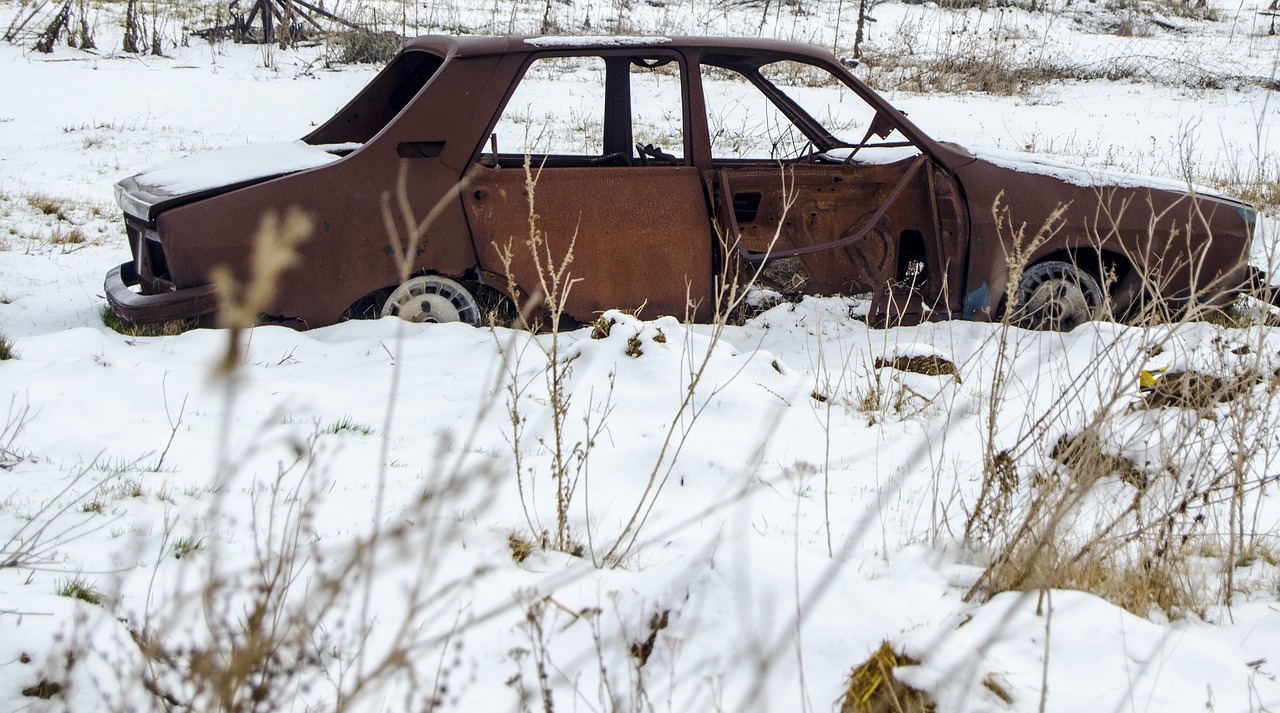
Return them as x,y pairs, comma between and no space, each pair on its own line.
353,507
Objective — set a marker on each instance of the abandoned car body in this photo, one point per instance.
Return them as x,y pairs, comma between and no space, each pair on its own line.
686,164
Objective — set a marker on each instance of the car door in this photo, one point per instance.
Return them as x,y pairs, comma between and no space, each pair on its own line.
814,209
585,188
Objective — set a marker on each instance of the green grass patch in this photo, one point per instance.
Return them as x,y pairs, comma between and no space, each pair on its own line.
346,424
186,547
130,489
79,588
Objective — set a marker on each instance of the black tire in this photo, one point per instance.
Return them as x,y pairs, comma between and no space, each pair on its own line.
1056,296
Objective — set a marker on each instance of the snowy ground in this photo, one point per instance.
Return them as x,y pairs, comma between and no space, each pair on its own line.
806,506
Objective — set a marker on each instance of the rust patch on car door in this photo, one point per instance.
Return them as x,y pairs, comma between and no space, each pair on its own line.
793,212
640,236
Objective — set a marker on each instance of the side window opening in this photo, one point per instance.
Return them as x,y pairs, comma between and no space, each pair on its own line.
783,110
385,97
592,111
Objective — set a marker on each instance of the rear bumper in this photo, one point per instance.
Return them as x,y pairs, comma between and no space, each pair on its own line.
163,307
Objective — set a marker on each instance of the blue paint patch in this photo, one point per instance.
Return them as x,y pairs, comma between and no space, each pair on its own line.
979,299
1250,217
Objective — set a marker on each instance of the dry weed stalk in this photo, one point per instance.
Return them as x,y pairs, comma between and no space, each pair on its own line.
824,394
285,623
274,252
732,288
35,544
570,461
407,235
555,282
16,419
995,493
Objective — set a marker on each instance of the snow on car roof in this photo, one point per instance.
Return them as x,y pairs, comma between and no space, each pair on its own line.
595,41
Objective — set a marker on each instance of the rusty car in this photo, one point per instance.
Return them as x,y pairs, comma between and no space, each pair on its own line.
671,169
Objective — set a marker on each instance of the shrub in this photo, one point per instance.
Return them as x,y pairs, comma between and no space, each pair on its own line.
363,47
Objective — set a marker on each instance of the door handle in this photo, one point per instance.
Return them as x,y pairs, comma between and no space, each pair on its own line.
419,149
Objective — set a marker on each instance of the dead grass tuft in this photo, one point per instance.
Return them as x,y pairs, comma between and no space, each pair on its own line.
602,326
1085,454
50,205
927,365
1197,391
998,688
119,325
74,236
1264,194
1164,583
634,345
642,650
874,689
521,547
44,690
995,499
362,47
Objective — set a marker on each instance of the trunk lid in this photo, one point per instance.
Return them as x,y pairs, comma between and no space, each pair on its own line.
190,178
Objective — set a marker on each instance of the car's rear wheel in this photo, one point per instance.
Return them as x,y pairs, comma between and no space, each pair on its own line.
432,298
1057,296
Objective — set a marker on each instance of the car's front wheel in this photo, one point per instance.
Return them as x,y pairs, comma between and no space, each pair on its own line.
1056,296
432,298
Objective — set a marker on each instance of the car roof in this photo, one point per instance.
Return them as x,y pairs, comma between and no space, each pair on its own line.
473,46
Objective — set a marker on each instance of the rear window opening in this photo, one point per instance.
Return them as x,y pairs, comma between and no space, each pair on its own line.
380,102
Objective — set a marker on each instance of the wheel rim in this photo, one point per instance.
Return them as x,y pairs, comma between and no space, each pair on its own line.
1057,296
432,299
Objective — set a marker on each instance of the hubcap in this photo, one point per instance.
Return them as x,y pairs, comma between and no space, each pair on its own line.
432,299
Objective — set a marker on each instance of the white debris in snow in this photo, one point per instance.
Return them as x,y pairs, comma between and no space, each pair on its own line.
235,165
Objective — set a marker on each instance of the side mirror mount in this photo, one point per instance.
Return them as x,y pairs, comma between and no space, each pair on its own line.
881,126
